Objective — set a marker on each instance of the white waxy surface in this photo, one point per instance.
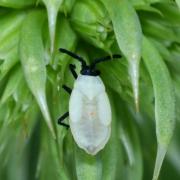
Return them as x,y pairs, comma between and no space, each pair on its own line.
90,114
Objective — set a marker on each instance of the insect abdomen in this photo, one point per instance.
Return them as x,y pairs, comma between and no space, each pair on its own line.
89,133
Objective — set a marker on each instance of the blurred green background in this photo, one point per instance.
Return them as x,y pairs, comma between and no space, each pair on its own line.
143,87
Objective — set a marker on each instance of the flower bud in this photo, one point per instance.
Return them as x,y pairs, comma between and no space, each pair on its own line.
90,19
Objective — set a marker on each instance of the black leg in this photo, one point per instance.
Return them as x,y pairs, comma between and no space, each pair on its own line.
67,89
61,119
72,68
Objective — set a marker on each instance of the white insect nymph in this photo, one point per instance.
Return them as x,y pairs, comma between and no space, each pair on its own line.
90,114
89,107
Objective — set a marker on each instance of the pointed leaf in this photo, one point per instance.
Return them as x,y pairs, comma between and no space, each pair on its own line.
52,7
164,101
129,37
33,63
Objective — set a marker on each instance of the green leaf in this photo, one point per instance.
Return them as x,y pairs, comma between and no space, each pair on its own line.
129,37
115,76
170,12
52,7
12,84
112,150
178,3
9,62
50,154
157,31
33,62
148,8
66,38
156,1
87,167
132,167
17,3
164,101
163,50
23,96
9,46
137,2
10,24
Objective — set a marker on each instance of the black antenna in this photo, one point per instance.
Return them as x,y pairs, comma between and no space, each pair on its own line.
106,58
75,56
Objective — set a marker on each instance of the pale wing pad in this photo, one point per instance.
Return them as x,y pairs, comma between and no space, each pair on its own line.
75,106
104,109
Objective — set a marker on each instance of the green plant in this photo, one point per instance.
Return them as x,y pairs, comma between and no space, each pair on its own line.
143,86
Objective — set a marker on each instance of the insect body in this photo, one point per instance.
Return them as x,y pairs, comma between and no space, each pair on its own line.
89,107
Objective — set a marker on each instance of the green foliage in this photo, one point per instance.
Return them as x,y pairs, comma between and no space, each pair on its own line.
164,101
129,41
32,71
32,60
